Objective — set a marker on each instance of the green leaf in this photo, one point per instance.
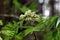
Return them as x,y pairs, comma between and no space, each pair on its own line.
55,32
24,8
20,7
12,27
48,36
8,26
8,33
37,27
53,21
33,5
30,30
27,27
58,26
17,4
21,23
7,38
15,27
1,23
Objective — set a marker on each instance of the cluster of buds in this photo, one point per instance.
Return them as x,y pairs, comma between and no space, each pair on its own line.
1,38
29,15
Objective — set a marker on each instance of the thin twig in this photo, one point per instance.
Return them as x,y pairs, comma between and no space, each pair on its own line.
6,15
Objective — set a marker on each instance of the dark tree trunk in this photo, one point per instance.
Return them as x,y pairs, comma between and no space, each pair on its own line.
1,7
40,7
1,10
52,10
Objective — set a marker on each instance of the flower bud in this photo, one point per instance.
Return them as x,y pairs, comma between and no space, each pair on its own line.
37,19
29,18
28,13
22,16
32,14
37,16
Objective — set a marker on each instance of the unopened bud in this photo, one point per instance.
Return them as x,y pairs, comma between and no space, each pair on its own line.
32,14
22,16
37,19
29,18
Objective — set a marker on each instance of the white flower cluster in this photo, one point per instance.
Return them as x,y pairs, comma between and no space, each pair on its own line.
29,15
1,38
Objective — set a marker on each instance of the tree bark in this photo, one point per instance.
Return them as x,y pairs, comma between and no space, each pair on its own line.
52,10
1,7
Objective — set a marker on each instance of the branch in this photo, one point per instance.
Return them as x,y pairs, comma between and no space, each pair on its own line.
6,15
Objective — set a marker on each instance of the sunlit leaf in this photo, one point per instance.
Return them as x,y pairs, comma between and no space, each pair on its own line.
7,32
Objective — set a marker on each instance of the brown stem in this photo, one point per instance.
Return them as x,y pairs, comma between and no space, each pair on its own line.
35,36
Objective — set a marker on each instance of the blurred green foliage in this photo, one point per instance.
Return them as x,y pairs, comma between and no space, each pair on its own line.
10,30
23,8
